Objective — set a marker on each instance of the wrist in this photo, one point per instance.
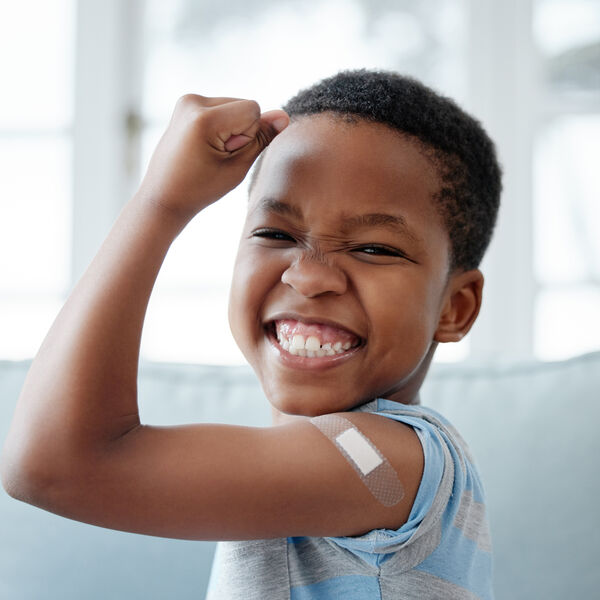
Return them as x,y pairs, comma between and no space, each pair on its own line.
153,207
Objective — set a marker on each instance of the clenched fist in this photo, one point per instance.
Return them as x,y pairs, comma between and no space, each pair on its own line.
207,150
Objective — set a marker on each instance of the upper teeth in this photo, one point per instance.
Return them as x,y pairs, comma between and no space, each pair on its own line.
311,346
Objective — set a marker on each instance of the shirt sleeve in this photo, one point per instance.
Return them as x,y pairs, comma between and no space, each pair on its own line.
429,503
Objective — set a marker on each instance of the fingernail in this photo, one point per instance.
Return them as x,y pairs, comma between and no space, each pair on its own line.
280,124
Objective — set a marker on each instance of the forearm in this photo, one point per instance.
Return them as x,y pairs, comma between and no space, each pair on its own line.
80,393
80,396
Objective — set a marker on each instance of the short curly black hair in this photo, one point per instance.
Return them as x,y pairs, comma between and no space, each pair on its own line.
460,149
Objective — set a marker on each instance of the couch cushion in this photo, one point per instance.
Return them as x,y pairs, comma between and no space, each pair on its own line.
531,428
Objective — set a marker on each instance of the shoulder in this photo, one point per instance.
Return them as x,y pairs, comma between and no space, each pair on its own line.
386,455
417,435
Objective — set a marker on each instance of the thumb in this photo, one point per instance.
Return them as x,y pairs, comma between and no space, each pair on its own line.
269,125
278,119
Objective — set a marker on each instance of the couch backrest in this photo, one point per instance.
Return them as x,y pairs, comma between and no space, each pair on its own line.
531,428
533,431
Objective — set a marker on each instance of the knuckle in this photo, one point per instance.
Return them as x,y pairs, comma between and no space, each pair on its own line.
190,109
262,138
253,107
190,103
254,104
188,99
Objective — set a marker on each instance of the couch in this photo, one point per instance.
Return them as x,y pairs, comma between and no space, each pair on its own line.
532,428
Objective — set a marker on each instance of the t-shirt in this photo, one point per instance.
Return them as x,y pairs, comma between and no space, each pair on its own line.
443,550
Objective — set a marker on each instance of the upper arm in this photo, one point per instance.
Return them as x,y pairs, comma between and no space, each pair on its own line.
227,482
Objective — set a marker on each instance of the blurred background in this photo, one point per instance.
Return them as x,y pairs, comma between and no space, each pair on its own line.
87,88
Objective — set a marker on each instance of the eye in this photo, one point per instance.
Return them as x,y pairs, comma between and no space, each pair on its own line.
273,234
377,250
380,254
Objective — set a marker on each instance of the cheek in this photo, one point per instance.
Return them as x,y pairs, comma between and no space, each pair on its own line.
238,300
251,283
403,309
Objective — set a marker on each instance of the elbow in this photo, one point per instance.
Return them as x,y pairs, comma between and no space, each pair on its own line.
12,481
15,481
26,480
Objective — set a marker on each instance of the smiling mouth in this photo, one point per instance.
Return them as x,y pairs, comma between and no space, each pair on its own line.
312,340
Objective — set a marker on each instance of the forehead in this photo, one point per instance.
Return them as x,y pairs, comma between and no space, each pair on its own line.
329,165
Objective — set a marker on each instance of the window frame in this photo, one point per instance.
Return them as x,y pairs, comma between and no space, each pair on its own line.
506,98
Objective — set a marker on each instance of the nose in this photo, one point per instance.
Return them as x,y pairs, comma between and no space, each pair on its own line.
312,277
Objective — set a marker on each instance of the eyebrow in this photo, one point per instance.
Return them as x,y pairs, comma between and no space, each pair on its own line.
394,223
280,208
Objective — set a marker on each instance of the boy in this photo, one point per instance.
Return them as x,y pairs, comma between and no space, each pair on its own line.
367,218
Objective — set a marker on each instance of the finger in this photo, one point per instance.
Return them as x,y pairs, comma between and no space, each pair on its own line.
278,119
191,102
238,119
271,123
239,124
217,101
275,119
235,142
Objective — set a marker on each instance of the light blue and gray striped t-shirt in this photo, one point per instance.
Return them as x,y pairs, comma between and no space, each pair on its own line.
443,551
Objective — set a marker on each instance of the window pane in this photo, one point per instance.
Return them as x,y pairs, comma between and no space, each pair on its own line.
566,179
204,253
567,33
35,223
36,69
562,25
24,321
567,322
190,327
36,56
567,206
452,352
266,50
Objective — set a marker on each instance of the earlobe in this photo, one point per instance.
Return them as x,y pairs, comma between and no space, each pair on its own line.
461,306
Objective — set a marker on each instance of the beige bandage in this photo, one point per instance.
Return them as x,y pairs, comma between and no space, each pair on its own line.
371,466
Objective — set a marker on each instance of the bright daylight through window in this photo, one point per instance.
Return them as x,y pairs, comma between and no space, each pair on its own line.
83,107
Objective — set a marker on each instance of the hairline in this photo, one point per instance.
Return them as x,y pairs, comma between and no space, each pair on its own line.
435,157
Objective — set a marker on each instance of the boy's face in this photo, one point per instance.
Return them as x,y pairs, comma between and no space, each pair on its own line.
342,244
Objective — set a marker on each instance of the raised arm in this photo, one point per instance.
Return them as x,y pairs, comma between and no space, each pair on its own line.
76,446
80,393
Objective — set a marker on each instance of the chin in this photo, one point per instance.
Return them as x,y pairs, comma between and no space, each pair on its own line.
309,400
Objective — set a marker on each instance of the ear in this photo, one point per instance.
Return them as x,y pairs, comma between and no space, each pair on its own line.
461,306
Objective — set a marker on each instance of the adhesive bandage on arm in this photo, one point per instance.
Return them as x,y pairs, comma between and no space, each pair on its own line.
371,466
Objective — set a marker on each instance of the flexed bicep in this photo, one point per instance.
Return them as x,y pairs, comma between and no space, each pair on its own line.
225,482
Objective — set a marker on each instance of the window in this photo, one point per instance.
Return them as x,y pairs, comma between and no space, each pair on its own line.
566,179
36,114
266,51
90,88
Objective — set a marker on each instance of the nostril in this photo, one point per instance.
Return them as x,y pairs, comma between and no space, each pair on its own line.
314,278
